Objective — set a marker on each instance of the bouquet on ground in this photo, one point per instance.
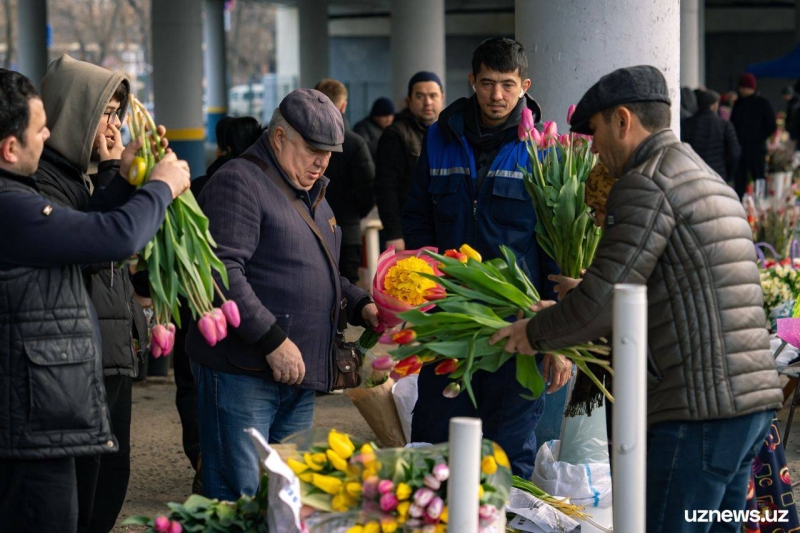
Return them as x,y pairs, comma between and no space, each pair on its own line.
387,490
560,166
474,300
179,259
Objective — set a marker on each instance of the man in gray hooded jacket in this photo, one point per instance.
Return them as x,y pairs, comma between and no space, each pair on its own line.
673,225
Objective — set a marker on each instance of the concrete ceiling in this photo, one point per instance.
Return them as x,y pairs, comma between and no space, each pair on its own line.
345,8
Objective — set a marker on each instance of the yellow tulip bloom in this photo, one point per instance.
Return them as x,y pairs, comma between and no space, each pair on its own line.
305,476
403,491
355,529
339,504
444,516
353,488
372,527
331,485
341,444
296,466
312,463
489,465
470,252
337,462
389,526
402,508
500,456
480,492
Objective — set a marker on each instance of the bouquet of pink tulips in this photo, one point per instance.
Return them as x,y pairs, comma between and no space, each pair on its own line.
561,164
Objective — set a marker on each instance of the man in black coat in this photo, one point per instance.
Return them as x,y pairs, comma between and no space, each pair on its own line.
399,150
55,402
371,128
351,191
711,137
754,121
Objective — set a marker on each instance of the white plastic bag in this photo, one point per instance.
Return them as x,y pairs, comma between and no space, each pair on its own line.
586,484
405,398
584,439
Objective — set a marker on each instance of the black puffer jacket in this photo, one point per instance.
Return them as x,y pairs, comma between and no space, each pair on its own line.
119,315
675,226
53,399
398,152
714,140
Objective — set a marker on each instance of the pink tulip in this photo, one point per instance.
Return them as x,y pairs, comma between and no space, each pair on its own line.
383,363
385,486
160,334
487,513
220,322
522,133
413,522
386,338
564,140
389,502
370,487
175,527
231,312
161,524
423,497
435,293
155,351
208,329
570,112
537,138
550,129
415,511
527,119
431,482
388,306
170,343
441,471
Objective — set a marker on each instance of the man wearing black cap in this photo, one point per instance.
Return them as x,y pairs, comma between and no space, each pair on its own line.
371,128
676,227
399,149
468,188
265,372
712,138
754,121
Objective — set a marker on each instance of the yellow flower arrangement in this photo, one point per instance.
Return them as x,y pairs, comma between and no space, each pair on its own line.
403,282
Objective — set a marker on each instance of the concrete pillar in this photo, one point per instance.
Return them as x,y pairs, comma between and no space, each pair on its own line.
215,66
702,41
287,57
572,43
32,39
313,41
417,42
178,77
690,43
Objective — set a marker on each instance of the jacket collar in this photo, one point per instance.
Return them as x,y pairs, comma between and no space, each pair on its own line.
451,119
28,181
655,142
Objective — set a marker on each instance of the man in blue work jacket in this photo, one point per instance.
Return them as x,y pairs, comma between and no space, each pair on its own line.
468,188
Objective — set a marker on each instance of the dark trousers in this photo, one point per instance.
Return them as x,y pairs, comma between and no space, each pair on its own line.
186,393
752,165
103,479
508,418
349,261
37,496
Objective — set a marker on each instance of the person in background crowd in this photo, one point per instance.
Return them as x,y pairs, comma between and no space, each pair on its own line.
371,128
688,102
726,102
792,121
676,227
351,190
265,372
399,149
85,106
234,136
468,188
51,349
754,121
712,138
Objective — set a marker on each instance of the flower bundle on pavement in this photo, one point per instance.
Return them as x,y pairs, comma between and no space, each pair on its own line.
179,259
472,298
561,164
400,489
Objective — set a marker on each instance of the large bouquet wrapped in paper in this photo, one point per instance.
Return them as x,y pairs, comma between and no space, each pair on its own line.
561,164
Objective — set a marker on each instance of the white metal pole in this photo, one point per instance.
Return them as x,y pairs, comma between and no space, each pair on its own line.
629,436
465,475
371,229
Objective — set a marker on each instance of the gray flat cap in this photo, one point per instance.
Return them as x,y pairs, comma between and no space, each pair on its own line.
315,118
623,86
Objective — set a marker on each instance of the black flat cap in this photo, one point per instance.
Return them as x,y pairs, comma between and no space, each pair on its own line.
315,118
623,86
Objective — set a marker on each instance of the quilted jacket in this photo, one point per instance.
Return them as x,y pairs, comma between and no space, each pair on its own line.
676,227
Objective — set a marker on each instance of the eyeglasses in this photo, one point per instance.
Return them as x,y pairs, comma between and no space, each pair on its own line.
112,114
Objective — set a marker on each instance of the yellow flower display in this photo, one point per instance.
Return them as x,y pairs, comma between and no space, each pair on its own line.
403,491
444,516
341,444
403,282
402,510
315,461
336,460
372,527
331,485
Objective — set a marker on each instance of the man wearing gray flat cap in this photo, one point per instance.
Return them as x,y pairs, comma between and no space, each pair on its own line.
673,225
279,240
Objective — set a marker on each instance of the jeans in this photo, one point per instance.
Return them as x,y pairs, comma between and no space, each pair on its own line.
508,418
38,495
696,466
227,405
